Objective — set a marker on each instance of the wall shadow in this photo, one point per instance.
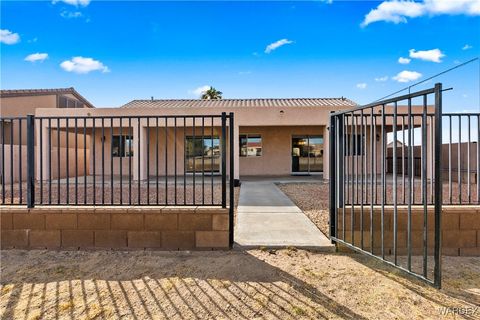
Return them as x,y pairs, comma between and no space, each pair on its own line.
152,285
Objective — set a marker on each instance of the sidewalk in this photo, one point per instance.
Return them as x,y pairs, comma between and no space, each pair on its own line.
267,217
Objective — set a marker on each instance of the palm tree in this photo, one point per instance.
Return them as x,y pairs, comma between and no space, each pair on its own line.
212,94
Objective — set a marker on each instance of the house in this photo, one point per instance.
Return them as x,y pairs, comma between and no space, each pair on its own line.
271,136
166,137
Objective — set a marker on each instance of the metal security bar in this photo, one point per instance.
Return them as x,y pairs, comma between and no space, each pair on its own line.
117,160
386,181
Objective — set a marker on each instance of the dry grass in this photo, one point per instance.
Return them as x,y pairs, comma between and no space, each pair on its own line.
284,284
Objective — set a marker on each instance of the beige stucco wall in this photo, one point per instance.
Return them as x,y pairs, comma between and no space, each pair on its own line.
21,106
20,163
276,158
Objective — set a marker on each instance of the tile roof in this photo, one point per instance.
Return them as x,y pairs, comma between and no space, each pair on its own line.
230,103
36,92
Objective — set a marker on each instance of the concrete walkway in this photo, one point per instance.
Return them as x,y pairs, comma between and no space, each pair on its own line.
267,217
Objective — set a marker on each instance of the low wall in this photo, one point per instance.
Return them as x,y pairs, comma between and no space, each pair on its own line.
460,234
160,228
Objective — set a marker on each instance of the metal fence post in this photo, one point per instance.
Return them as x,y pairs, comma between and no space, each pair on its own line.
438,185
232,179
332,171
30,161
224,160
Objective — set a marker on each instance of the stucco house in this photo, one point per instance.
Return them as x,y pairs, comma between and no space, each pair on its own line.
271,136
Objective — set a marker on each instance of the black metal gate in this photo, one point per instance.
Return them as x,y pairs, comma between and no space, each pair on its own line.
395,215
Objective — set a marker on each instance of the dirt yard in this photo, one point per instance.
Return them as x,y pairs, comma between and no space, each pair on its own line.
253,284
283,284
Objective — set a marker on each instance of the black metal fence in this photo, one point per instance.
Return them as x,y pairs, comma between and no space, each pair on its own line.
461,158
117,160
391,216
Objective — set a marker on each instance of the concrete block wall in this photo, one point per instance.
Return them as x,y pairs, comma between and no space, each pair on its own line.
460,229
135,228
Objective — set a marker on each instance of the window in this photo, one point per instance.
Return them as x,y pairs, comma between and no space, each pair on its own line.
203,155
65,102
122,146
250,145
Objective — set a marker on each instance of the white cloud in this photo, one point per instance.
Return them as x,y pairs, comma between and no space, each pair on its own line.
434,55
467,47
403,60
381,79
407,76
8,37
77,3
34,57
200,90
398,11
362,85
277,44
83,65
70,15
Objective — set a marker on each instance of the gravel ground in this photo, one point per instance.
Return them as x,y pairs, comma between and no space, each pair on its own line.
255,284
53,194
313,198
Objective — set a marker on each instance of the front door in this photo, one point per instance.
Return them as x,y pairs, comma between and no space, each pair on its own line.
307,154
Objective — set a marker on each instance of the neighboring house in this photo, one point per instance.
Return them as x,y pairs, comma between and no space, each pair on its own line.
13,132
21,102
391,143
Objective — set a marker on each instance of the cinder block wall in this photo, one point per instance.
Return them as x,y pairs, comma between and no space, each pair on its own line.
460,234
160,228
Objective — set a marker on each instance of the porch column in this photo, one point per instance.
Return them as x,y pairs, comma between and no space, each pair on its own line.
43,141
236,152
137,150
143,153
326,152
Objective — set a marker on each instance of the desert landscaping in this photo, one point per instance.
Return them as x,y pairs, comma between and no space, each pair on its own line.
237,284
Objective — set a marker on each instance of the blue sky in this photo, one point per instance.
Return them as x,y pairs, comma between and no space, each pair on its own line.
134,50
